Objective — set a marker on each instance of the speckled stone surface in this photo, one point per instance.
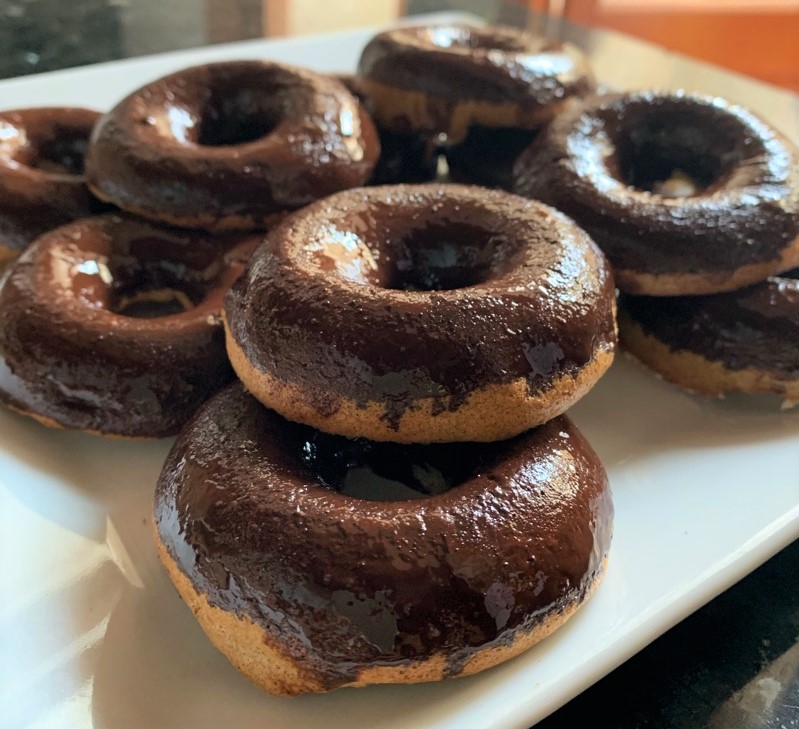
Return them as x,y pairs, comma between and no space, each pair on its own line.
45,35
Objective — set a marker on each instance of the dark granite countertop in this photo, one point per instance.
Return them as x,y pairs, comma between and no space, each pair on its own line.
733,664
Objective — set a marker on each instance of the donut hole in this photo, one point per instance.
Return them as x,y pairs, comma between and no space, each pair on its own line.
441,258
671,155
232,119
374,471
153,304
153,289
61,153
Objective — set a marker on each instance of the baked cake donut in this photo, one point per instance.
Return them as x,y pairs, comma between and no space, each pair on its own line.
745,340
112,325
442,79
272,536
423,313
41,173
686,194
231,145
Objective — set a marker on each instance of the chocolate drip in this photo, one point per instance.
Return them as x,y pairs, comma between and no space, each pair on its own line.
492,289
756,327
70,350
343,583
497,64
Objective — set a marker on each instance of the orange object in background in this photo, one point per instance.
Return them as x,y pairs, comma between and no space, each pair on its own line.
756,37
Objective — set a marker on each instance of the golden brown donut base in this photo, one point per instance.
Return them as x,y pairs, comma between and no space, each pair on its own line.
254,653
421,113
694,372
210,223
682,284
495,412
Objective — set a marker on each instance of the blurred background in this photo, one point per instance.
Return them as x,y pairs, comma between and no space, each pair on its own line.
757,37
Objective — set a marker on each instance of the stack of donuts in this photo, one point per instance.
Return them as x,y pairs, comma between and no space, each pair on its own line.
368,368
392,494
111,324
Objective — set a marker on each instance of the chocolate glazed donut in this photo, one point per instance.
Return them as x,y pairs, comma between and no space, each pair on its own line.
686,194
443,79
426,313
41,173
745,340
307,587
112,325
231,145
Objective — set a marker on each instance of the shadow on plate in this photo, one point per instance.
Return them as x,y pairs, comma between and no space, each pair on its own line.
157,668
73,479
55,639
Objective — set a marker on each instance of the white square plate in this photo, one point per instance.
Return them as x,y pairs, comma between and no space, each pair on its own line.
92,634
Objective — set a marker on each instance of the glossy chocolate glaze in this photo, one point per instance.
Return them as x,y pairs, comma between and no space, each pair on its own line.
600,161
235,142
41,172
456,63
755,327
391,294
487,156
67,355
343,583
403,157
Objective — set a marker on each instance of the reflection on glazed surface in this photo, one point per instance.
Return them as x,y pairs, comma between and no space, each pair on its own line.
603,163
754,327
237,141
360,290
113,325
259,530
41,172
